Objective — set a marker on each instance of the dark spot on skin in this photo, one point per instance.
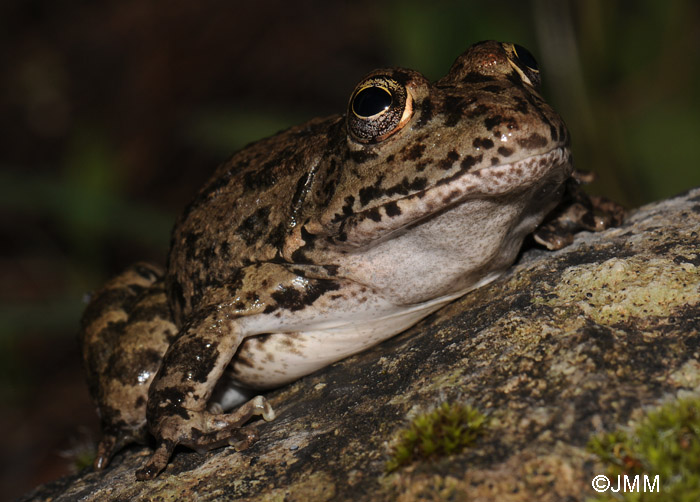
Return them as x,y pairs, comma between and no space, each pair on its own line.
125,368
390,159
261,340
695,260
451,196
484,143
426,113
342,237
401,76
454,110
225,250
533,141
449,161
370,193
254,225
506,152
491,122
294,299
477,78
332,167
207,256
415,152
259,179
392,209
478,111
346,209
495,161
553,133
152,311
191,244
135,289
469,161
194,358
140,401
406,187
166,402
374,214
331,269
522,106
362,156
176,295
275,238
495,89
243,361
420,167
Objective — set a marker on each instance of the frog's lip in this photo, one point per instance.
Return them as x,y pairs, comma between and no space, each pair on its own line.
492,181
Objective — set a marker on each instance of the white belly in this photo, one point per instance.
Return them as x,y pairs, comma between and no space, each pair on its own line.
271,360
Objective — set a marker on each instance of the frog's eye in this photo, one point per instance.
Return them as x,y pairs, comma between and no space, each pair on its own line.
379,107
524,63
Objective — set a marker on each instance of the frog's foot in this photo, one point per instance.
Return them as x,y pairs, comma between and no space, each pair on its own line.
105,449
114,440
203,431
577,211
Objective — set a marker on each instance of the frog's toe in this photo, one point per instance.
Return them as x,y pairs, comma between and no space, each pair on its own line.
223,428
244,438
105,449
157,462
112,442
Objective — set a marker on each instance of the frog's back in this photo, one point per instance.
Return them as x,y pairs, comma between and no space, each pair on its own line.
245,211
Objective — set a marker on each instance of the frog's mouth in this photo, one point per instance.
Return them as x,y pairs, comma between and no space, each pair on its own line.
379,222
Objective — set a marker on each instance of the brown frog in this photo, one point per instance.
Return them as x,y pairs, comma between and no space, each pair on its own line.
321,241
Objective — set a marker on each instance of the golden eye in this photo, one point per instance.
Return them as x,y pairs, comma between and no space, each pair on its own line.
524,64
379,107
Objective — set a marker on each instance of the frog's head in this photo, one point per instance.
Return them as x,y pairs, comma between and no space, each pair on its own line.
413,149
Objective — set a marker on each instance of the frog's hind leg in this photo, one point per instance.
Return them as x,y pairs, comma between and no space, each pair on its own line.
124,333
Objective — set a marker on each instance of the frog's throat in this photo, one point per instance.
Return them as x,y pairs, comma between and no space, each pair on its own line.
363,227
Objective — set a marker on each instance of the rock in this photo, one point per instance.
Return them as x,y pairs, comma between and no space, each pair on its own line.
566,345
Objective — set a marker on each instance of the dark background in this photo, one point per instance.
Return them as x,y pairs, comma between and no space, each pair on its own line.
113,113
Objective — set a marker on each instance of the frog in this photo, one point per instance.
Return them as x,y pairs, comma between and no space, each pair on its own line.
320,242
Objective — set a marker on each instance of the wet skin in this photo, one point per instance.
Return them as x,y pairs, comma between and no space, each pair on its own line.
319,242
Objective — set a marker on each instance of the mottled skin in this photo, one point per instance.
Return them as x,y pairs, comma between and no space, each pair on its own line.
323,240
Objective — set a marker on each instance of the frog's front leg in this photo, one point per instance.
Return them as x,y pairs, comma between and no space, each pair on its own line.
577,211
178,399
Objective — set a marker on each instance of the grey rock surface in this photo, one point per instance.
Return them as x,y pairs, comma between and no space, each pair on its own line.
567,344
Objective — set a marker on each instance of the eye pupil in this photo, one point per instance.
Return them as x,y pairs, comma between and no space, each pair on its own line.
525,56
371,100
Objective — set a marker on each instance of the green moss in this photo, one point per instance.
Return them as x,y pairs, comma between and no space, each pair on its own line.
446,430
665,443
